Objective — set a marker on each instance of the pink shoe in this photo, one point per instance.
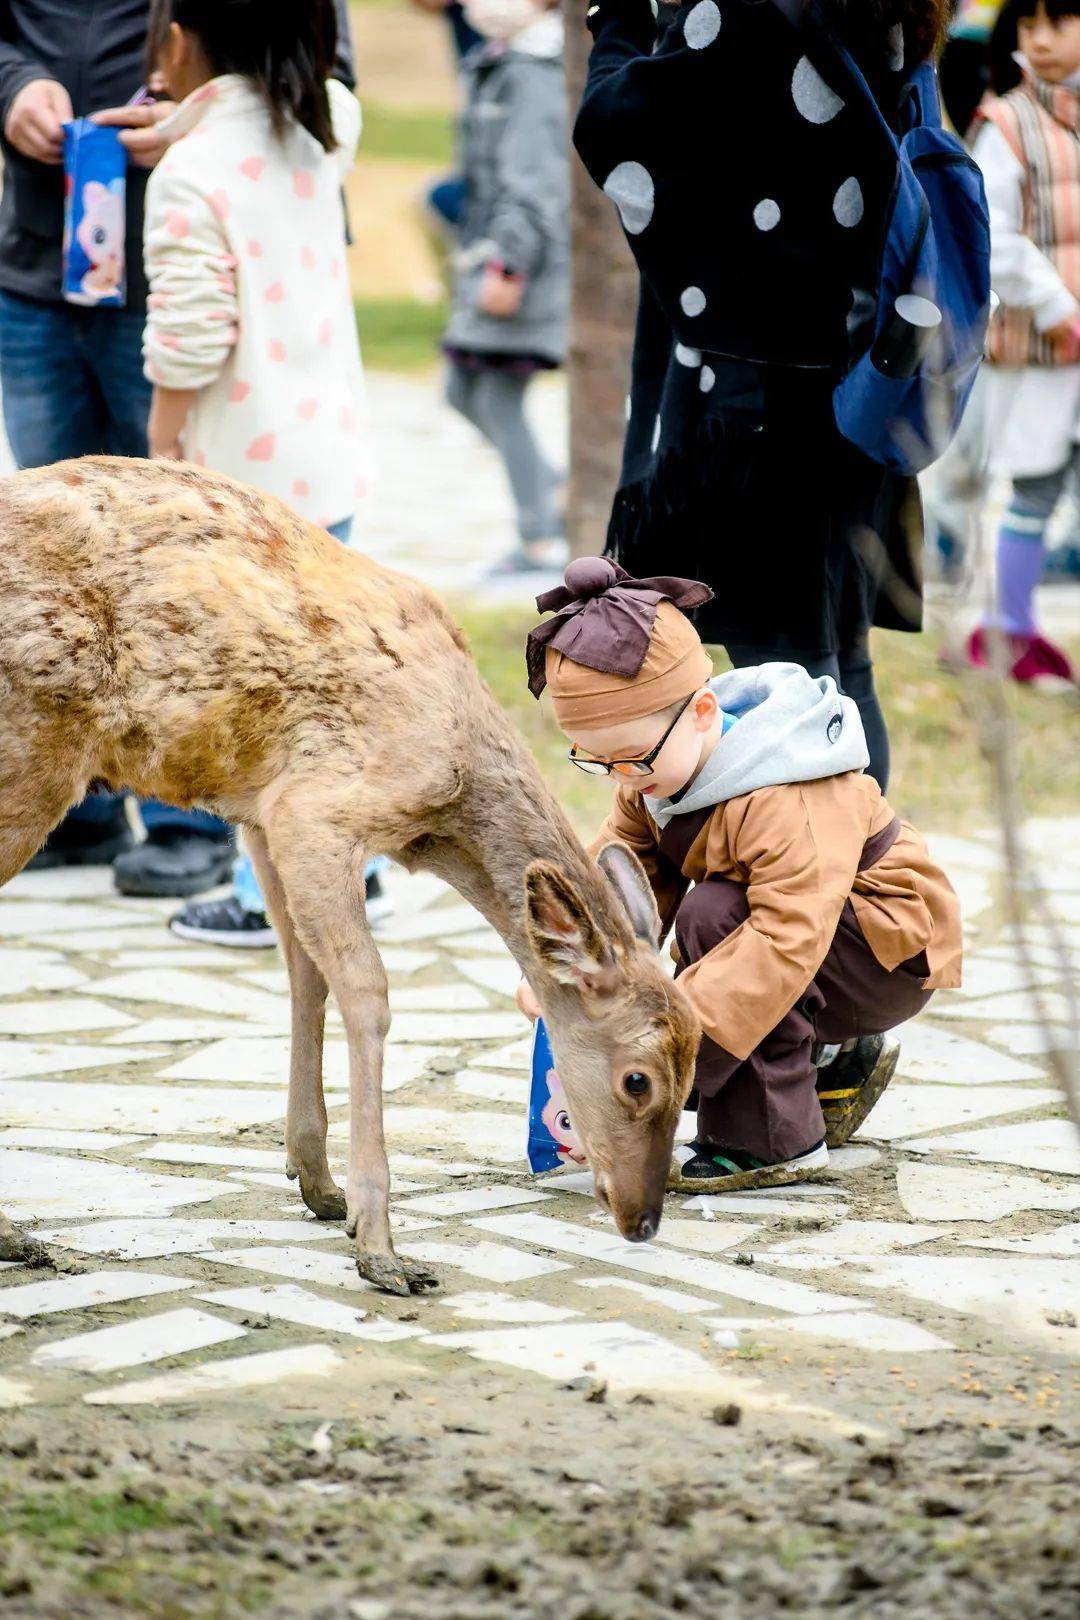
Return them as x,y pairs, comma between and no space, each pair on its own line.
1040,663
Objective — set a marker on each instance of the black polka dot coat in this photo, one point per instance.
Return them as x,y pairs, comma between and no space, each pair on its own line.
751,183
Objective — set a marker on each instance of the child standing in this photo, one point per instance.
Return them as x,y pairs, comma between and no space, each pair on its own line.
816,915
1028,148
250,338
511,271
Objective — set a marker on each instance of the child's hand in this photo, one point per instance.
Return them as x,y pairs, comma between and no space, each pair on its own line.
145,142
1065,340
500,295
526,1001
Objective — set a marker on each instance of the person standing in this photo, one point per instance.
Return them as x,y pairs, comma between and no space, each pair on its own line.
768,178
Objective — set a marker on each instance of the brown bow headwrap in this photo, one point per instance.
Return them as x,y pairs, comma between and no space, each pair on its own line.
630,631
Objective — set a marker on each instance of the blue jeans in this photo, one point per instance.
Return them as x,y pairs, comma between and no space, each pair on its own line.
245,883
73,385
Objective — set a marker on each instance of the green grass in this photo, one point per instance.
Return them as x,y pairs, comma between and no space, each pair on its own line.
940,780
400,334
410,135
66,1521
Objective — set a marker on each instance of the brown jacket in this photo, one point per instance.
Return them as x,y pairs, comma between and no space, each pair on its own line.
796,847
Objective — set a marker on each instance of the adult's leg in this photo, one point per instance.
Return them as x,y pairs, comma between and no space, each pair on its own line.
766,1104
498,404
53,411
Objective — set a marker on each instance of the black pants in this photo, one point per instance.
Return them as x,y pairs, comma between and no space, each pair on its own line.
853,672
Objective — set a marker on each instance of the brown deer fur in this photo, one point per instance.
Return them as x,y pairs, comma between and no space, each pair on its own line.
174,633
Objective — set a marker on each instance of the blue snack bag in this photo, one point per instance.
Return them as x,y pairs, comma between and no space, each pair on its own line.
552,1141
95,195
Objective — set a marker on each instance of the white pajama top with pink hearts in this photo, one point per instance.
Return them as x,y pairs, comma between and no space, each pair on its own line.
249,297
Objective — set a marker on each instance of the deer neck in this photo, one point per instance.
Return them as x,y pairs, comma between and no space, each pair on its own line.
504,820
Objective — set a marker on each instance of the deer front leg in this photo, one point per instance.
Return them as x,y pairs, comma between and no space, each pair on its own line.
305,1119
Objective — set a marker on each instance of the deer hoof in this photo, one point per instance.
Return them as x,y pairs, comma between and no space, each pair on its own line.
385,1271
421,1281
325,1206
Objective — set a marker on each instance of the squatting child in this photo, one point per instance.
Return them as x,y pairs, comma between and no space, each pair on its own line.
809,919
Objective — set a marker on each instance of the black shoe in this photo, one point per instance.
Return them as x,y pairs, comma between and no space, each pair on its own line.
849,1087
83,843
224,922
173,862
377,903
715,1169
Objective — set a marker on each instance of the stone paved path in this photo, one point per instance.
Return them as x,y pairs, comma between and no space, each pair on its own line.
142,1098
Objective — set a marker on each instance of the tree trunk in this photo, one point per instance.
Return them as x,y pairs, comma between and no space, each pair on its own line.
604,291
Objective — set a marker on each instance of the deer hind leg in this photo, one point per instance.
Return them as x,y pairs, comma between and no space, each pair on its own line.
321,871
42,774
305,1119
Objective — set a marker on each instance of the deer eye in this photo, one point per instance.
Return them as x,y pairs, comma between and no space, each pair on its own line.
636,1084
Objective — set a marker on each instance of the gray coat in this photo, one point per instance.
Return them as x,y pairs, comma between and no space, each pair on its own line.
515,160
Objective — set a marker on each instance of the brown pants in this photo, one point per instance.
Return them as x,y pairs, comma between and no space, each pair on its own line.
767,1105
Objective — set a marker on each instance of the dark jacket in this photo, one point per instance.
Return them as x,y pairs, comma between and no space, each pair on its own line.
96,49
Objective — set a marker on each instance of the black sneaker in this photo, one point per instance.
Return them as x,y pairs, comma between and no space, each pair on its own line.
83,843
707,1168
224,922
849,1087
175,863
377,903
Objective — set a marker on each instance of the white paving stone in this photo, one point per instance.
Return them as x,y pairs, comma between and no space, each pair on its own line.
846,1159
412,1164
75,1141
21,1059
672,1299
1015,1008
1011,1292
493,1262
516,1056
266,1062
176,987
1038,1144
437,998
1033,1040
470,1200
936,1192
239,1158
270,1367
494,1307
59,1016
987,977
704,1237
62,883
859,1330
42,1186
910,1110
763,1203
303,1265
87,1288
150,1239
185,1031
25,919
443,923
1064,1241
1045,955
929,1053
133,1344
626,1357
485,941
285,1302
163,956
91,1103
15,1393
501,976
715,1276
503,1088
147,931
498,1137
454,1027
856,1237
23,971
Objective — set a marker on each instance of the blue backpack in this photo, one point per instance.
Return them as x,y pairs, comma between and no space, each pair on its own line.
935,245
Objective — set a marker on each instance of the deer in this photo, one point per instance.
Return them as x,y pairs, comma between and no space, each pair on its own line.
173,633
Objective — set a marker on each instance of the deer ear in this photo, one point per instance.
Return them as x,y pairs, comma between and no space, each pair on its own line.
562,932
627,877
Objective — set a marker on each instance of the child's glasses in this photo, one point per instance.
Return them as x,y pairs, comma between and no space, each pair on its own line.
628,767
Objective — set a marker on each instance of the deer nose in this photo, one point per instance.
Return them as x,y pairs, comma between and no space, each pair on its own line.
644,1228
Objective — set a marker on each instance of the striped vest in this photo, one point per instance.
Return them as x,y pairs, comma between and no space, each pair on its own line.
1040,122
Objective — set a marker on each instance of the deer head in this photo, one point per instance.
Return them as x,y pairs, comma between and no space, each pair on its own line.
623,1035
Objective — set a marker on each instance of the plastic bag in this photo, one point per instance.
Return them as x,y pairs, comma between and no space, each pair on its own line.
552,1141
95,213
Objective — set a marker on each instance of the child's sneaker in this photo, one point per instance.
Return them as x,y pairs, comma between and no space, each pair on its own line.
224,922
850,1086
702,1167
1039,663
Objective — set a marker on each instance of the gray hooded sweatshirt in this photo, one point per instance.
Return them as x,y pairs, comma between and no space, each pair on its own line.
786,726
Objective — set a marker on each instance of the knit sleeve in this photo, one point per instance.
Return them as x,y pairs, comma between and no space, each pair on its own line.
347,121
192,308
